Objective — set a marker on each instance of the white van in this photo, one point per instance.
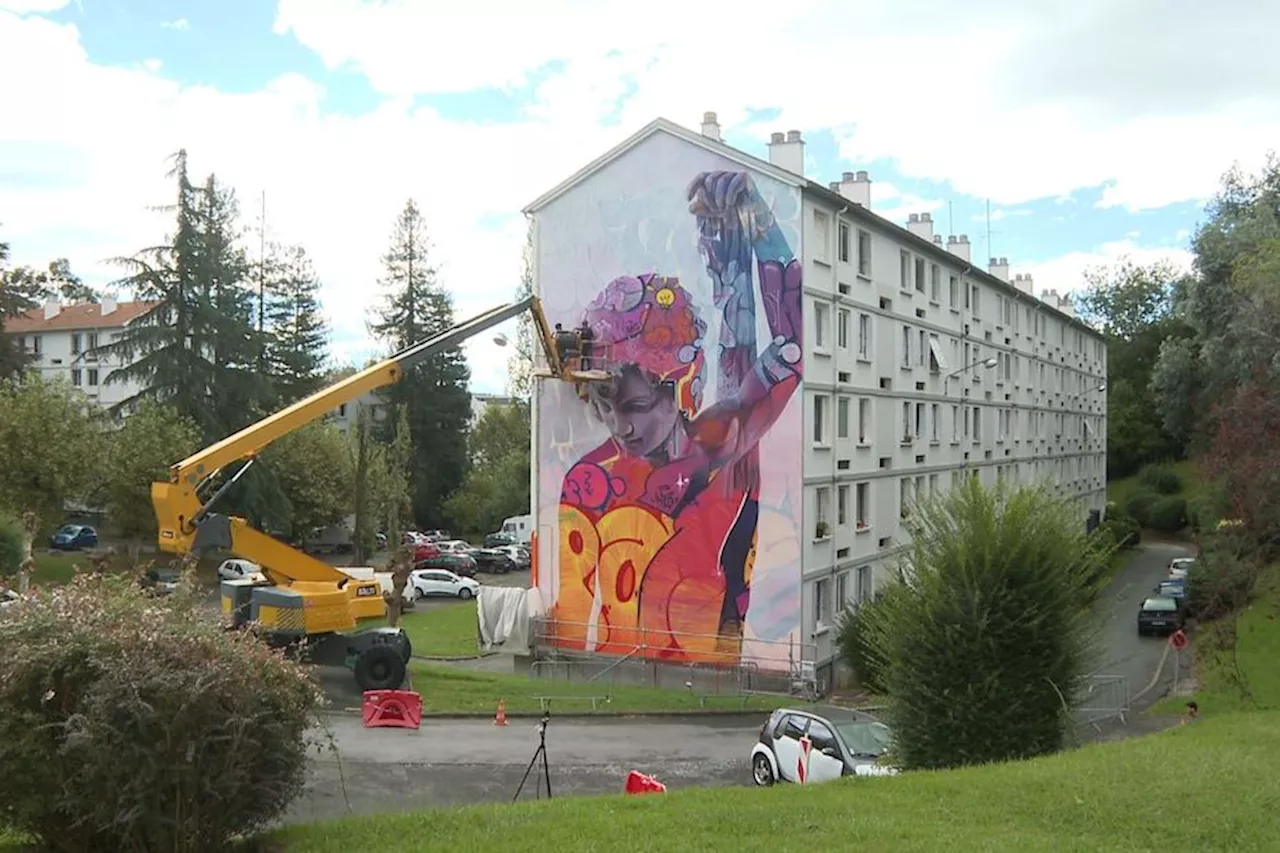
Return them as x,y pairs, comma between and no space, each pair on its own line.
519,527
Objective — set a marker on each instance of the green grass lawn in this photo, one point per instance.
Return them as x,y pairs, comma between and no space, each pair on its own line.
451,690
1119,796
1256,658
446,630
1118,491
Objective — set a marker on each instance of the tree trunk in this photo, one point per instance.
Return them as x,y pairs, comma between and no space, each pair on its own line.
401,566
30,525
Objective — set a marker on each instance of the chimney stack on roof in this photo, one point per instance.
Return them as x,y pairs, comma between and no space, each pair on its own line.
1022,281
52,307
999,267
959,246
856,187
921,225
787,152
710,126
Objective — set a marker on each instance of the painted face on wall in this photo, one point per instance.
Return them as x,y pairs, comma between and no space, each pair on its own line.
639,411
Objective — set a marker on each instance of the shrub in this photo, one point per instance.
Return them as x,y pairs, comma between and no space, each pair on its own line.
1124,531
1219,582
1168,514
132,723
1160,479
859,628
991,634
1138,506
11,542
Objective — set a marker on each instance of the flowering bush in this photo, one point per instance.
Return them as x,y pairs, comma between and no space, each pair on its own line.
133,723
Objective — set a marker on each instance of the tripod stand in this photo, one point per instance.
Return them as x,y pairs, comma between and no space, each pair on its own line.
540,752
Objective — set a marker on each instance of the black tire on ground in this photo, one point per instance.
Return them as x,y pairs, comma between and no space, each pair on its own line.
464,593
418,594
379,668
762,771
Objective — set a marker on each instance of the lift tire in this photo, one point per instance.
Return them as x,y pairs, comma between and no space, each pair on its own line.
380,668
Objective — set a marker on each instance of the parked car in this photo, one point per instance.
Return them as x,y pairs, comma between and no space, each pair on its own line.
456,546
497,540
429,583
437,535
1175,589
1158,616
381,540
73,537
9,597
236,569
1180,567
518,554
843,742
459,564
161,581
425,551
493,561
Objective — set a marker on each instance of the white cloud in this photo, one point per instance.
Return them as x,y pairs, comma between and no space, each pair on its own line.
27,7
1066,273
336,183
178,24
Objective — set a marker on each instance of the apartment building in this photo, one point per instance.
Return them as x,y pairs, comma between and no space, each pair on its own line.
920,366
63,341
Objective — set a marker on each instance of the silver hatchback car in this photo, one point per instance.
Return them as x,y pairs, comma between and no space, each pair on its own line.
819,743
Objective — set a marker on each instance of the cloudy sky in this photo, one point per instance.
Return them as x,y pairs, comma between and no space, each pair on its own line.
1092,129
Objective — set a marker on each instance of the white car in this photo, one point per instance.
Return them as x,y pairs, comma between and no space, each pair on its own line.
1180,567
518,554
236,569
819,744
9,597
455,546
433,583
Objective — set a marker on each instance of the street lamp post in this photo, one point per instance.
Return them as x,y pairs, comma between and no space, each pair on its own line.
986,362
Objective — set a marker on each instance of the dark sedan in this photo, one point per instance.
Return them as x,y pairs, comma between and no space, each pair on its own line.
1159,617
73,537
493,561
462,565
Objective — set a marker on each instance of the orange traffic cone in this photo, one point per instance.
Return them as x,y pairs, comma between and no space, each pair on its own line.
501,718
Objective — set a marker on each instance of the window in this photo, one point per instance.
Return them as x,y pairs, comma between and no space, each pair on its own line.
821,603
93,377
820,736
842,417
955,423
967,422
904,270
822,232
842,506
819,419
842,590
75,343
822,498
919,431
864,420
90,350
75,378
920,275
953,286
843,246
819,325
862,506
933,484
935,282
36,349
906,421
906,345
922,350
842,329
977,424
864,336
904,500
864,253
934,416
937,363
864,583
975,307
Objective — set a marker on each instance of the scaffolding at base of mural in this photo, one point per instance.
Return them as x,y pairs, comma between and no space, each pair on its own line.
782,667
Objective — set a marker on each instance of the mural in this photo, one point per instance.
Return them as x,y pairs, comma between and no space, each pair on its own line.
669,498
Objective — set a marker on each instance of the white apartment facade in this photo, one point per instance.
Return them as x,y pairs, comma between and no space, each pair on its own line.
63,341
920,367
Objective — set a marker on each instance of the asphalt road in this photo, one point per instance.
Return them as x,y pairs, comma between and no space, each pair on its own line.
1123,653
452,762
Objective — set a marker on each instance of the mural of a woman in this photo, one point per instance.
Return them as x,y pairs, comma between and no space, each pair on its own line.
659,524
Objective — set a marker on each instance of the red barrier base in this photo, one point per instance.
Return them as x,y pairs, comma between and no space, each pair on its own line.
395,708
639,783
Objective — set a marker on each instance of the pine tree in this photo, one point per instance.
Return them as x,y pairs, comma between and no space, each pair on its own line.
434,394
18,295
295,329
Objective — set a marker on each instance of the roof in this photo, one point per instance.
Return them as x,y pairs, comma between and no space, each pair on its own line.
662,125
83,315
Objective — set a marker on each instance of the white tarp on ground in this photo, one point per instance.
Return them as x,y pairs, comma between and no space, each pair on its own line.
505,615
